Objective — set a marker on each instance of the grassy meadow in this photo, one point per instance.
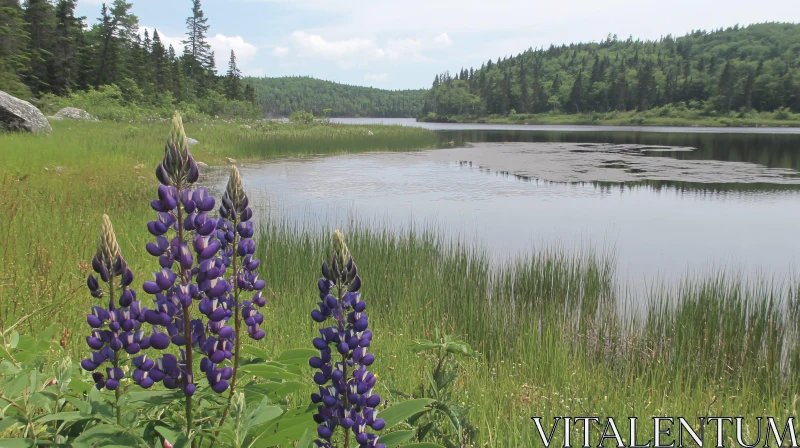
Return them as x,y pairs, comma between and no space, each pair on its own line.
554,336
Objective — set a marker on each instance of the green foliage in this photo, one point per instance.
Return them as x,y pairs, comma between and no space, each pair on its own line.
107,68
301,116
447,415
752,68
286,95
47,401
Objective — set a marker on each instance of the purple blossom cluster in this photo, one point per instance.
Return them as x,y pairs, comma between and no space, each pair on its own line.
346,386
117,327
236,210
193,267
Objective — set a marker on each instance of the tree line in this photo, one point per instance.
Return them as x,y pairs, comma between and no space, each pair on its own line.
45,49
739,68
285,95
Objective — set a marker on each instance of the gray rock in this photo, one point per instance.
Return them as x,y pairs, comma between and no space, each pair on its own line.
73,113
202,165
54,118
19,115
191,141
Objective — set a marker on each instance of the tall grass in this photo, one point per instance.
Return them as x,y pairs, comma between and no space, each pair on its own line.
556,336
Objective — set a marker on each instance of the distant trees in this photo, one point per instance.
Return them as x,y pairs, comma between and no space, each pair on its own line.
46,49
285,95
738,68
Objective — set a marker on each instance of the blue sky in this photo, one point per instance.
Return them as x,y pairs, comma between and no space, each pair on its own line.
402,44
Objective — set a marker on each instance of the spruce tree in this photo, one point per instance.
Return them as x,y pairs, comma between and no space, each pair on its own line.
233,89
67,47
14,56
40,26
196,48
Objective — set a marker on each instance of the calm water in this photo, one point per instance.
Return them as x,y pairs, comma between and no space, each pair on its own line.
658,230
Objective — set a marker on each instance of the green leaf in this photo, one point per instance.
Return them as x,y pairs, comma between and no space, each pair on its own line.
16,443
14,340
152,397
16,385
9,421
267,371
307,441
264,413
105,435
397,437
175,436
71,416
404,410
255,351
287,429
100,406
297,356
421,346
423,445
443,408
460,348
274,390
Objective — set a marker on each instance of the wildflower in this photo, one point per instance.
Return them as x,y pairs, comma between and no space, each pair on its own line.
346,387
192,270
118,326
238,233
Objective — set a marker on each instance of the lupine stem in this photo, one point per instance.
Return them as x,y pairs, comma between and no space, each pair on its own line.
344,367
117,391
237,343
187,331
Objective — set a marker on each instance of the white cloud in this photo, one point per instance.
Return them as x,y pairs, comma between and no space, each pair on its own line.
376,77
442,41
345,53
357,51
280,52
222,46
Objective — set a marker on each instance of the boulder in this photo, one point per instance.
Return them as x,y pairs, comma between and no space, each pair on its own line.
73,113
191,141
19,115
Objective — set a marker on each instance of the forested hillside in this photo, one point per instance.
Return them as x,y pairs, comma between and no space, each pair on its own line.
282,96
109,68
754,68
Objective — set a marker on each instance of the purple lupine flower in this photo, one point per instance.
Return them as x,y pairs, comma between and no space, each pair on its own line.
192,271
236,236
345,395
116,327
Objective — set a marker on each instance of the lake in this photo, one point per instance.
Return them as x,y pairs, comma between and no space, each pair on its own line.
667,202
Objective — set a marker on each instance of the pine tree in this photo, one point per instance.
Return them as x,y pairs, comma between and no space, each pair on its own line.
14,57
233,89
162,68
40,26
196,48
576,95
250,93
67,47
116,31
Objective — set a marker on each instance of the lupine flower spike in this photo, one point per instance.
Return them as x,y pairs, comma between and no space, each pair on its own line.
345,395
192,271
116,326
238,251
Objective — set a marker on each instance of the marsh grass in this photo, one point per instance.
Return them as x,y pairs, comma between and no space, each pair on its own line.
556,336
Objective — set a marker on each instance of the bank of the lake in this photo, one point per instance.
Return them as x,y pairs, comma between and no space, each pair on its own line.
655,117
547,324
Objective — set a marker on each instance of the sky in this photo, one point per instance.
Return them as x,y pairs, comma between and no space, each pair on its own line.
402,44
